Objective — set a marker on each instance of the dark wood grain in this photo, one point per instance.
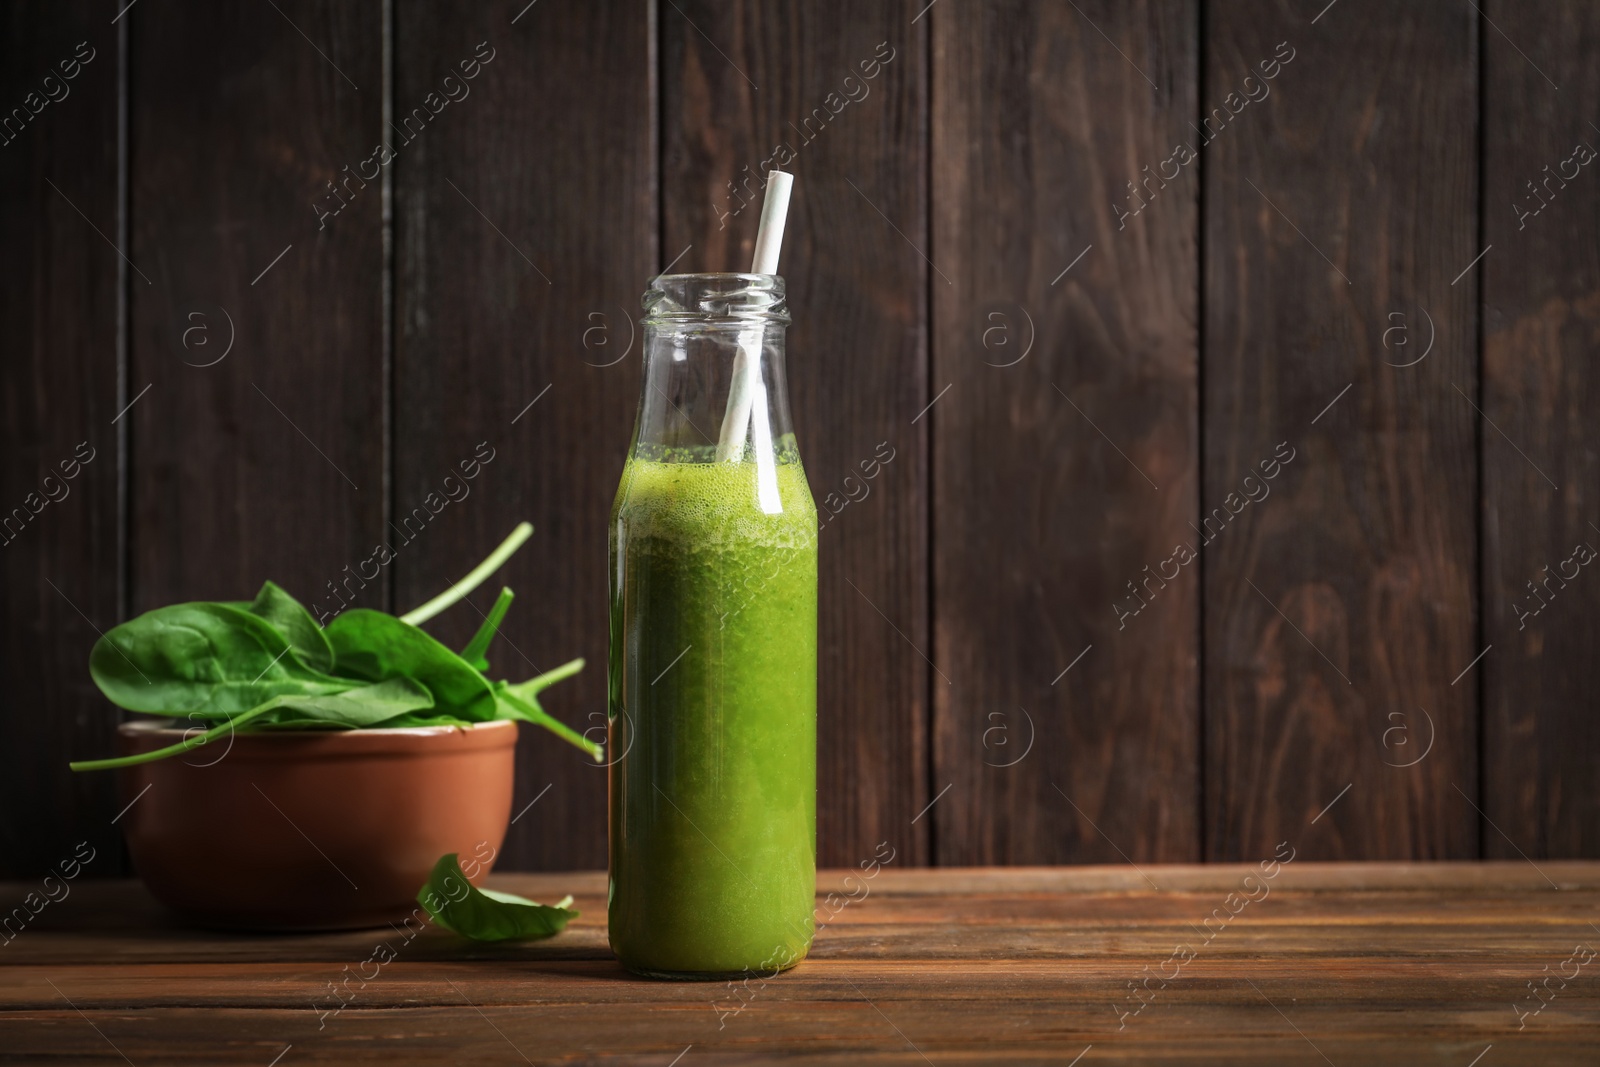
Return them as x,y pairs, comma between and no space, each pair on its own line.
1361,964
738,82
58,396
525,233
269,462
1541,308
1317,657
1341,606
1065,448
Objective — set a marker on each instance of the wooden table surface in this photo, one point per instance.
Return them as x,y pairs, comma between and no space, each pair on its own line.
1323,963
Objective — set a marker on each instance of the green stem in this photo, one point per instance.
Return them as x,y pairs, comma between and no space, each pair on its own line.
534,686
171,750
477,649
417,616
535,714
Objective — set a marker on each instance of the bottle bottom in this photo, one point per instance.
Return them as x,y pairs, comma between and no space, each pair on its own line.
707,976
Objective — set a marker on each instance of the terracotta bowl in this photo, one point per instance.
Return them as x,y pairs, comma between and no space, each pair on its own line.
313,830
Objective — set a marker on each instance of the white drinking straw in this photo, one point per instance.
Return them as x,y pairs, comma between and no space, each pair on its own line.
774,212
746,388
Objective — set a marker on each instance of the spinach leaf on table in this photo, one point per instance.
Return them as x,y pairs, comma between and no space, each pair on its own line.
484,914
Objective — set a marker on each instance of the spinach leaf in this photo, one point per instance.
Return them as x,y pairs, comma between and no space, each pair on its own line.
267,665
421,717
374,646
531,689
521,702
484,914
476,577
206,660
296,624
369,705
425,719
477,649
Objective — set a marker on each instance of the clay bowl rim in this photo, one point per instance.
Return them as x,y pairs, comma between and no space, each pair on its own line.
161,728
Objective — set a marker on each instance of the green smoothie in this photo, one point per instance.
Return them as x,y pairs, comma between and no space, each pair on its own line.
713,695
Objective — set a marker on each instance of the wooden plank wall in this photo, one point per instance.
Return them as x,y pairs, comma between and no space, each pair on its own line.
1066,451
506,246
60,390
1093,271
1335,202
1540,300
243,458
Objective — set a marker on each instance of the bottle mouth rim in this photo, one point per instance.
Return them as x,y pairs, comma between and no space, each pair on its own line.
716,296
716,274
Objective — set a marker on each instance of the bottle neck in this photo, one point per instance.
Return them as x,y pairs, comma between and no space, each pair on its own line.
713,392
714,387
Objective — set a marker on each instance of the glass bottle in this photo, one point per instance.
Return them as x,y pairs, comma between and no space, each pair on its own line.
713,663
